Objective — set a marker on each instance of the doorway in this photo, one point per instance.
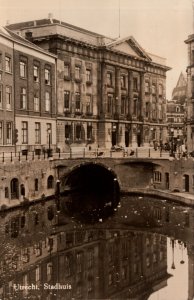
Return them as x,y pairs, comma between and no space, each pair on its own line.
186,183
14,188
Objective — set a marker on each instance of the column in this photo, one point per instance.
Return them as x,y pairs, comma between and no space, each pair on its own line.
142,95
103,96
117,92
130,93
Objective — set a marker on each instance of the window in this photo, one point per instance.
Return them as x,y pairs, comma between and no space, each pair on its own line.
37,274
123,105
67,132
1,133
109,78
8,64
67,265
50,182
135,106
147,87
8,133
79,259
6,192
47,75
90,259
66,100
78,132
153,89
24,132
77,102
23,100
77,72
23,69
49,268
36,102
123,81
135,84
47,102
37,133
88,104
8,97
66,70
160,90
89,132
36,73
36,184
147,108
109,104
88,75
49,133
157,176
1,96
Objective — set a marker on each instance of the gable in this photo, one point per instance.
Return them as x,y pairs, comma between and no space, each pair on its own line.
129,46
126,48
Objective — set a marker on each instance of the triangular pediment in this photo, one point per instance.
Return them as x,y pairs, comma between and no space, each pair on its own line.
129,46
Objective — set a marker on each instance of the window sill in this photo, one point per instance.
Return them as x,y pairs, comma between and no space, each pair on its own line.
9,72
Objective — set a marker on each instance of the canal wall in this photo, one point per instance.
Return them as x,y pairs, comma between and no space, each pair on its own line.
33,180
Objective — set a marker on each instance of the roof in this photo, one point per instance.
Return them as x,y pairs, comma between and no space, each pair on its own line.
19,39
127,45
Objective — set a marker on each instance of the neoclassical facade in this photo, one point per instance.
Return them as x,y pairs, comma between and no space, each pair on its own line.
109,92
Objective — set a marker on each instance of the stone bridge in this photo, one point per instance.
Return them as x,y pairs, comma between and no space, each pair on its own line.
38,178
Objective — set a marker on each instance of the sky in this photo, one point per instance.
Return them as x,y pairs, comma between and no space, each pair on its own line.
159,26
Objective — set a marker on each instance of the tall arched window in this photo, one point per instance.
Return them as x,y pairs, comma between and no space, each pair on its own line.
50,182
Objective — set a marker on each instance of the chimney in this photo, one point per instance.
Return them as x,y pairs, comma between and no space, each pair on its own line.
28,35
50,16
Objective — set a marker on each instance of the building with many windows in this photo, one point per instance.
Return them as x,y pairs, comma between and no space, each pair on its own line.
27,94
190,94
6,92
176,110
109,92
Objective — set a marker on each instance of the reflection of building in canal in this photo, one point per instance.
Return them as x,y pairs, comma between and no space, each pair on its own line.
89,263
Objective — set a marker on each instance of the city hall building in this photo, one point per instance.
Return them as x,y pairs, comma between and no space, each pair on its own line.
109,92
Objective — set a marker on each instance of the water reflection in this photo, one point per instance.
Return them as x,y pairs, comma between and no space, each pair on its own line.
130,255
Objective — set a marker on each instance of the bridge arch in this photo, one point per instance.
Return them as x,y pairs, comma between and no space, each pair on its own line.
92,188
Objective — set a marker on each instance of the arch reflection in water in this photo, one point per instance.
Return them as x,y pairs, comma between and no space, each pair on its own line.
92,191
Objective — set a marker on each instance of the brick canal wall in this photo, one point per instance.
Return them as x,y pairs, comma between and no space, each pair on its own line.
35,179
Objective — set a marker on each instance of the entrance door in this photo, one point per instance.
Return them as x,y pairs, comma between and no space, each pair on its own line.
186,183
114,138
167,181
127,138
14,188
139,139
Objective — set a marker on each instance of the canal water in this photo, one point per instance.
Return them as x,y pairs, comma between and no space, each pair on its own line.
141,249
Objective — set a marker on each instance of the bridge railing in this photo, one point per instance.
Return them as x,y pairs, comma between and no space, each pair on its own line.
140,152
